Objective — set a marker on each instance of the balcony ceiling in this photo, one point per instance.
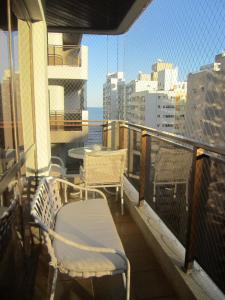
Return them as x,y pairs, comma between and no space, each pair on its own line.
93,16
76,16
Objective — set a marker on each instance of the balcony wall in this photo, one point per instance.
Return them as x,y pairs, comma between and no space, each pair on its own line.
67,127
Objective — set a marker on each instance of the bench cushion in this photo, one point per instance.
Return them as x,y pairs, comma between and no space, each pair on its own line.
88,222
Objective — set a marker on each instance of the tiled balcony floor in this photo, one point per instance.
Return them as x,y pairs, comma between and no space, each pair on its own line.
147,278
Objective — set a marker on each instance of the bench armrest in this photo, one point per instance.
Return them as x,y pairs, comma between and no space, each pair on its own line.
78,187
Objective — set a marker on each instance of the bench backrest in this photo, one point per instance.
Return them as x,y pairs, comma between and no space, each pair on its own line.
46,203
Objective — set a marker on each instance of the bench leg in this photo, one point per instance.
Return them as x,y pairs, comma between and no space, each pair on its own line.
54,281
126,282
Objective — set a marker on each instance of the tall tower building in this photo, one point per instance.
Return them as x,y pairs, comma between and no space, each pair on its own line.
114,96
205,108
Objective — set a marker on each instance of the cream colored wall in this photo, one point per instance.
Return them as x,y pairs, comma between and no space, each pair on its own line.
39,41
55,38
34,89
26,93
56,97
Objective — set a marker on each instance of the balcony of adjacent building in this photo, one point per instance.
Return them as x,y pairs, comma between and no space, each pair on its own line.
66,127
67,62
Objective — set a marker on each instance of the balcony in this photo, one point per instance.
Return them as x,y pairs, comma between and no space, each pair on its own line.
170,217
173,226
67,126
67,62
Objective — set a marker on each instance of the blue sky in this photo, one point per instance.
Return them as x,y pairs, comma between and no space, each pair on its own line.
188,33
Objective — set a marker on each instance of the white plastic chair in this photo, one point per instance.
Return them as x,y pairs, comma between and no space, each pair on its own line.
104,169
172,167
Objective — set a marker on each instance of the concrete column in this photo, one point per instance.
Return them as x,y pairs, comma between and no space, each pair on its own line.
40,84
34,89
26,93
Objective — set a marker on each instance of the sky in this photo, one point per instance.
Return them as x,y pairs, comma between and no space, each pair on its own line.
187,33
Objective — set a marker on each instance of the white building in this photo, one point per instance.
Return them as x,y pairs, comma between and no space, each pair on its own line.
142,83
158,103
67,77
167,79
113,96
163,110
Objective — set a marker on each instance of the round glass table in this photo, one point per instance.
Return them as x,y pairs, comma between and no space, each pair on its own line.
80,151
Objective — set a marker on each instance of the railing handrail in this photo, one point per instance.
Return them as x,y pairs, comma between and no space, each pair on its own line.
178,138
66,46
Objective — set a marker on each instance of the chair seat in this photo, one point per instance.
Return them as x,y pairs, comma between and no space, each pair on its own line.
98,229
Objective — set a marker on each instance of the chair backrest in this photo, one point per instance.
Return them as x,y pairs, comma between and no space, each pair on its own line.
172,165
46,203
104,167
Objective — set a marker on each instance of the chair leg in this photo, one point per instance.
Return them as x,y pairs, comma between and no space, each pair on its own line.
65,193
175,191
86,194
122,201
54,281
117,192
154,192
186,196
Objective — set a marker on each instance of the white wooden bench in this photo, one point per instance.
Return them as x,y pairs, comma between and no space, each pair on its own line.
81,236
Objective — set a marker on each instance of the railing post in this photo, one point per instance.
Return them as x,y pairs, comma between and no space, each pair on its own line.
144,165
199,164
105,133
123,136
130,152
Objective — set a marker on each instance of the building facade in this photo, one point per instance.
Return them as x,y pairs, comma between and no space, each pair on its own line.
113,96
155,100
205,119
67,83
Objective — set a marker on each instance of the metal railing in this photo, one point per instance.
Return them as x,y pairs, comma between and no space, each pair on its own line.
64,55
183,182
61,120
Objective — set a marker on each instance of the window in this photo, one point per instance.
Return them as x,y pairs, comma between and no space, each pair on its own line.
168,116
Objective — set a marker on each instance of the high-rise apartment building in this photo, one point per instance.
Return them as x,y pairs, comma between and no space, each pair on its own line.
205,119
163,110
67,83
158,103
142,83
113,96
159,66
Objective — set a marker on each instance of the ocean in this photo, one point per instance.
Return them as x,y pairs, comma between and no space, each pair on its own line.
94,132
95,113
